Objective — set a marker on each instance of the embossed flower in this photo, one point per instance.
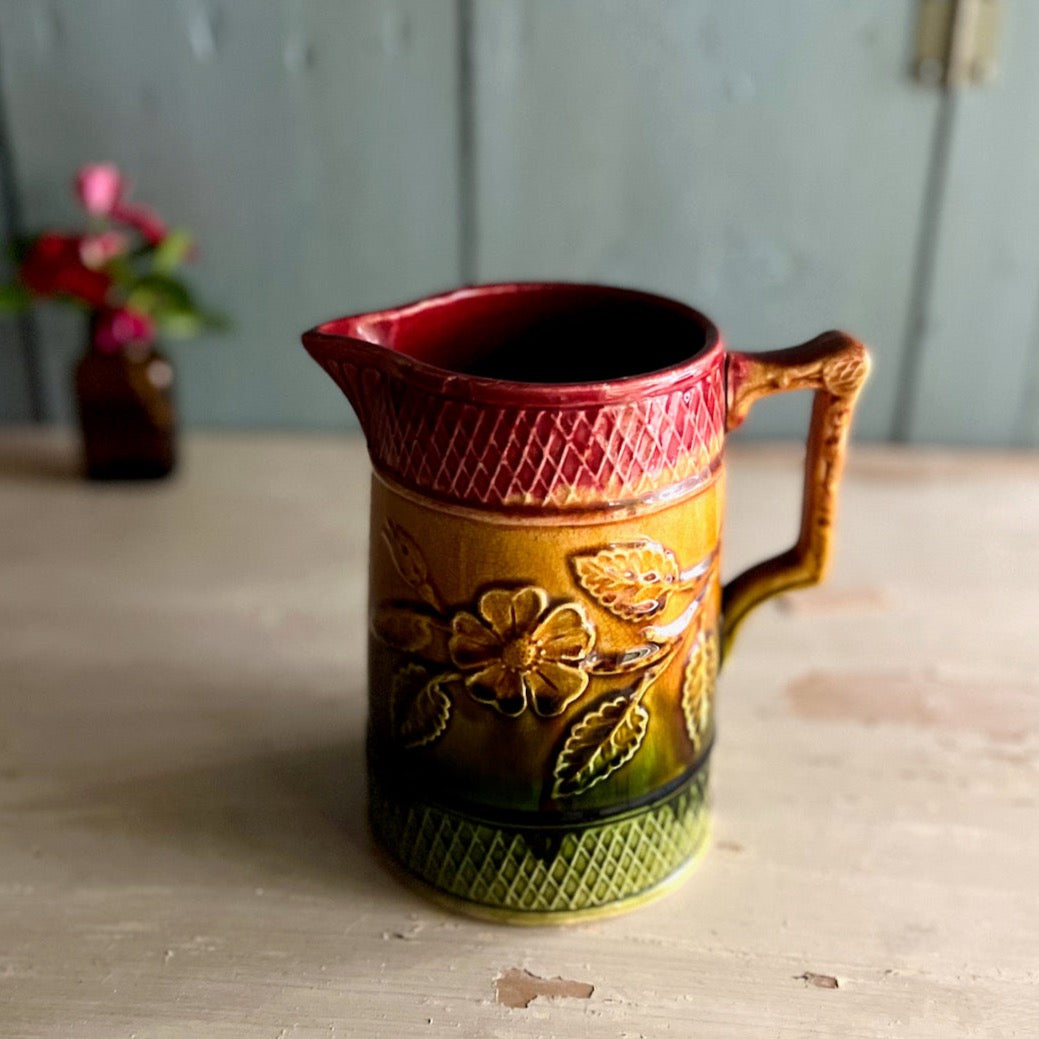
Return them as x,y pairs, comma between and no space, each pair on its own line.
520,654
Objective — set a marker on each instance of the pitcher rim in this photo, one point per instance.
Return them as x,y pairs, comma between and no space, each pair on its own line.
325,340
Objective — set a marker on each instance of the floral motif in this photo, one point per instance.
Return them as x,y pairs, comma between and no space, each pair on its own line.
121,270
520,654
513,651
102,192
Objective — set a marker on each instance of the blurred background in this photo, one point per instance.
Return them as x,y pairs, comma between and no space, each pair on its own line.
777,165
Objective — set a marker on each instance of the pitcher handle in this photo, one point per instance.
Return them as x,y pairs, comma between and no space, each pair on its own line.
835,366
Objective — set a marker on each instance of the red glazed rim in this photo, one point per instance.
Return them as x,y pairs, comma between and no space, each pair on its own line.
368,330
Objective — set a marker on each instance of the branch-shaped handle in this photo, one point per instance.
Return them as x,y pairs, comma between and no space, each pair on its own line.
835,366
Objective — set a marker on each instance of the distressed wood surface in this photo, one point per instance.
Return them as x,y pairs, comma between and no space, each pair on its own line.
182,844
765,162
311,146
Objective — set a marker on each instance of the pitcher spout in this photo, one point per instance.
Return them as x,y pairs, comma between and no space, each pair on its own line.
353,354
429,346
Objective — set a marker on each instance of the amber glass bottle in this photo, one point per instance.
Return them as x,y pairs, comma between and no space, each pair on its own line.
126,413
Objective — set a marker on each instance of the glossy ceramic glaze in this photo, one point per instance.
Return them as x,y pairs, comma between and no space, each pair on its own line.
547,618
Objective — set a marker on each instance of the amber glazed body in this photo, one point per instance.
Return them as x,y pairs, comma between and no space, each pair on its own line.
546,615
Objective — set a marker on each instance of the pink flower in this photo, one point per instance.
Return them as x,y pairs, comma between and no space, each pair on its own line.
116,327
54,267
143,219
97,249
100,188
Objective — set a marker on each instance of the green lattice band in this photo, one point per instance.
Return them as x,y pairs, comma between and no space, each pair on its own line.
515,870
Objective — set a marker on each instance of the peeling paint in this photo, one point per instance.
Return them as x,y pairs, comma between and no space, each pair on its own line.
408,934
518,988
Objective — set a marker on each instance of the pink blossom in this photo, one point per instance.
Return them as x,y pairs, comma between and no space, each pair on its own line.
100,187
102,190
141,218
97,249
116,327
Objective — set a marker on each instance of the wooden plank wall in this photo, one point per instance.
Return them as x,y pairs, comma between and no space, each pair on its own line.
767,163
978,339
312,144
773,164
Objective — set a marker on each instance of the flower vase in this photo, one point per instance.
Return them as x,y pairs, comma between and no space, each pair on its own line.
126,413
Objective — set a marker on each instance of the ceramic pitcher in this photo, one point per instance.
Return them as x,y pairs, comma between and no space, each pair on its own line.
546,615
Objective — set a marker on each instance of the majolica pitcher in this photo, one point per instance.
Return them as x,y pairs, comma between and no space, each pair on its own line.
546,614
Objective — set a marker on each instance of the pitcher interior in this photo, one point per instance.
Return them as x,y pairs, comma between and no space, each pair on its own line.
547,333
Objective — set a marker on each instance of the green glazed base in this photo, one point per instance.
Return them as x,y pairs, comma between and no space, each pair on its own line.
545,874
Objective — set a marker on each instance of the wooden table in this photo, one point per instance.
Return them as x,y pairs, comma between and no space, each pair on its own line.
183,849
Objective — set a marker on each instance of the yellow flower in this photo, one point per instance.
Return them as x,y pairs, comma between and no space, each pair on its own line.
519,655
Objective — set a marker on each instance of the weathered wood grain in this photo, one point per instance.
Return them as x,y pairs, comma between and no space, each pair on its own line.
182,843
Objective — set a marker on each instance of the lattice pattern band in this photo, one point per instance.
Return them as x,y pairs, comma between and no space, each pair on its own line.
518,869
488,455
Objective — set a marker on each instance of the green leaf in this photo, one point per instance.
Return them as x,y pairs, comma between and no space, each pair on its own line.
171,252
14,298
169,301
120,270
184,324
155,293
188,322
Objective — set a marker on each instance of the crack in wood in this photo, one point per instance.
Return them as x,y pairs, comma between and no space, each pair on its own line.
818,980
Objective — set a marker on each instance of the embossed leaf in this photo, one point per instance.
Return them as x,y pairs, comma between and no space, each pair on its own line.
701,670
423,717
409,630
632,580
410,562
599,743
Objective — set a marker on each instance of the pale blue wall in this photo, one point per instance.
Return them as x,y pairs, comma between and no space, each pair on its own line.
773,164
